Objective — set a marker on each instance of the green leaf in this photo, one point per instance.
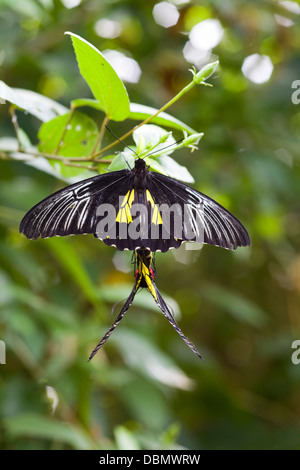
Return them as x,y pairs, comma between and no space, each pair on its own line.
33,103
102,79
141,112
125,439
169,167
153,139
175,170
122,160
191,141
79,139
34,425
141,355
23,138
80,102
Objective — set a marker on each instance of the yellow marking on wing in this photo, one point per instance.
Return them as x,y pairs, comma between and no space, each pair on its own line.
156,217
124,214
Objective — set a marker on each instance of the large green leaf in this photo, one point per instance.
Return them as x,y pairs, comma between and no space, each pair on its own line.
125,439
169,167
33,425
143,356
102,79
79,138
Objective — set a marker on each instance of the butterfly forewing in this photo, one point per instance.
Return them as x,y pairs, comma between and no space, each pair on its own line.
73,210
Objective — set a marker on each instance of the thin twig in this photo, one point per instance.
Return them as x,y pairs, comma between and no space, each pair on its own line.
61,140
15,124
4,155
99,138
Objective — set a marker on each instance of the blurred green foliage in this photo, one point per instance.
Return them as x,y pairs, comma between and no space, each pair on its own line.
146,389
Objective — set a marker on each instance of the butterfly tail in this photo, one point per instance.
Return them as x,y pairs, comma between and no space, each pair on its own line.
117,321
164,308
144,269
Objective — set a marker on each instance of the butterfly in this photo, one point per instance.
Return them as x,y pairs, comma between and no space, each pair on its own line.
144,278
135,209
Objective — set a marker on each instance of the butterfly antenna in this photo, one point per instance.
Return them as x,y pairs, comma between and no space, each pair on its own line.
125,145
164,148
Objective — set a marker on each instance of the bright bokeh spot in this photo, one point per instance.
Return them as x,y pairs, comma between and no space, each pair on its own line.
207,34
283,21
293,7
106,28
180,2
195,56
71,3
128,69
257,68
122,262
165,14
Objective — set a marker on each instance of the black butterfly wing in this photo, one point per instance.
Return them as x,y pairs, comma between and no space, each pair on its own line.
210,222
73,210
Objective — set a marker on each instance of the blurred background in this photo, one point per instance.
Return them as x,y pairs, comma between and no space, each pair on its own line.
146,389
